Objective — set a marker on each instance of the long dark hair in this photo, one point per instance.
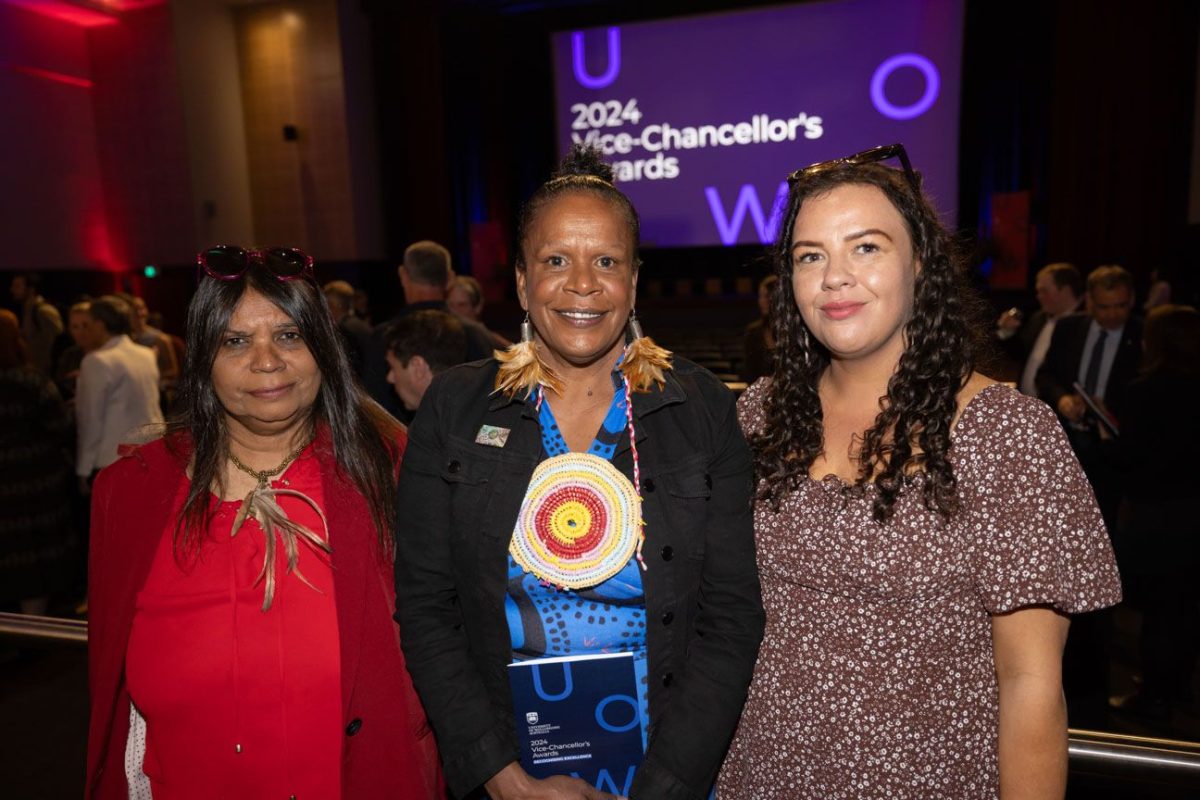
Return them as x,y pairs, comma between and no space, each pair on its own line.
360,432
941,346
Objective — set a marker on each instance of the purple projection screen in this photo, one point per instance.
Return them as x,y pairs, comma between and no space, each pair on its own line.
702,117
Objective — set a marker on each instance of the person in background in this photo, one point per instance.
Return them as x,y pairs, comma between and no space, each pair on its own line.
1159,292
466,301
240,639
117,394
758,342
145,335
66,370
666,571
41,324
36,537
1100,351
355,333
1158,541
1059,289
362,305
420,347
923,531
425,276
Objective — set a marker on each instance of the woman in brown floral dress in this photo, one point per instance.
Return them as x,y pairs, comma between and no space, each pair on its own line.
923,532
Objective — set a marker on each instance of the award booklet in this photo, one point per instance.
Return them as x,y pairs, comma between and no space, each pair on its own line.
579,716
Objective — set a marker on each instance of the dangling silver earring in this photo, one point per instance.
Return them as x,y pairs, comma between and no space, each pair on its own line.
521,368
806,346
526,329
645,361
635,327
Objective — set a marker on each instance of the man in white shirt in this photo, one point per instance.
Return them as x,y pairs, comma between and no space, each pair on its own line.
1059,290
117,390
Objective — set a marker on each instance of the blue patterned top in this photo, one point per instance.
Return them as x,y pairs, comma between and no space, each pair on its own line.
544,621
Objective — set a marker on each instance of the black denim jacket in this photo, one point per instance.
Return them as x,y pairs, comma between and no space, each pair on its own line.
458,503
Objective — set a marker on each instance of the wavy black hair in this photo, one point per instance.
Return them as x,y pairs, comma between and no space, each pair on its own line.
911,435
360,431
581,170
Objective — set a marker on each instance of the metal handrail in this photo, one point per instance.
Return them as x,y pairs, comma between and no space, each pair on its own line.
1116,755
52,629
1137,758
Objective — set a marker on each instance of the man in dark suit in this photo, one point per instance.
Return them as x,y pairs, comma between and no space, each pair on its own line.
1059,290
1101,352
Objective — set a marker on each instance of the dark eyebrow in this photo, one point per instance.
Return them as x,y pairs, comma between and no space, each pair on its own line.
806,244
278,326
867,232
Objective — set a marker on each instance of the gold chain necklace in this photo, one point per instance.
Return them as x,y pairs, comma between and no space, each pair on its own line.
264,476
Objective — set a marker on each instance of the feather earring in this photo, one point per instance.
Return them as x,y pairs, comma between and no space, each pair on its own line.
645,361
521,369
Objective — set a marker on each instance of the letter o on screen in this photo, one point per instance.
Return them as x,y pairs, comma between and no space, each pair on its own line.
615,698
884,71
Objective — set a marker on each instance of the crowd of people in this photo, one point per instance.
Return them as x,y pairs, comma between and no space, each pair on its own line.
317,545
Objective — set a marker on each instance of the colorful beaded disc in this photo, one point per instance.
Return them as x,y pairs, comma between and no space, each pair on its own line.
579,523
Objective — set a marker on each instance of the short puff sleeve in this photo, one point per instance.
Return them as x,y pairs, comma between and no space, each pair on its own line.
1031,518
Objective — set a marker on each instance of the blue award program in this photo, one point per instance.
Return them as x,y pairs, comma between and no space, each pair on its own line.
579,716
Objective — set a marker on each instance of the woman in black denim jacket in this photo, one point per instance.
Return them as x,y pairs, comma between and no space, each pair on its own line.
471,454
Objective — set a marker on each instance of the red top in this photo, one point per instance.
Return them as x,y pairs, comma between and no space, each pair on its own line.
385,747
240,702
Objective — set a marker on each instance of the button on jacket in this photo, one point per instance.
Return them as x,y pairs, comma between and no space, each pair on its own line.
703,604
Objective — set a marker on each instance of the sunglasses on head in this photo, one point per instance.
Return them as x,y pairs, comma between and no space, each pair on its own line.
230,262
872,156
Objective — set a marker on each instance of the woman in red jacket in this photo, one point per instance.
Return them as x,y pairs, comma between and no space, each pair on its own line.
241,641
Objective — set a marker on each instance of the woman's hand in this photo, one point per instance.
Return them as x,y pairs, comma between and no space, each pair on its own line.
514,783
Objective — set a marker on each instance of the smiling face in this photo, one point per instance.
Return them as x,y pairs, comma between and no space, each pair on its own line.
579,280
854,272
263,374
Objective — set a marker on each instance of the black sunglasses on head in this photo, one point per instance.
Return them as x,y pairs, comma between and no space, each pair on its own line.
872,156
229,262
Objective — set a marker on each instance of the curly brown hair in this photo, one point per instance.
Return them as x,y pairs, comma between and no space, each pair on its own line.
910,437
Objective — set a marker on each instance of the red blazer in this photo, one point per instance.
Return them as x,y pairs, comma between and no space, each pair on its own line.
388,750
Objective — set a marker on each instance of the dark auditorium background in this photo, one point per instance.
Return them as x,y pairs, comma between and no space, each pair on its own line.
136,132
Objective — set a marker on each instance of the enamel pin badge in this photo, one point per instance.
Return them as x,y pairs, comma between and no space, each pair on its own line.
492,436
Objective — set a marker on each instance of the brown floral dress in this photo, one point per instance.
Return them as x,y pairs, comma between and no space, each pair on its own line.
876,676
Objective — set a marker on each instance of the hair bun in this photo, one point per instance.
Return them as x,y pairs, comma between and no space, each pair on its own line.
584,161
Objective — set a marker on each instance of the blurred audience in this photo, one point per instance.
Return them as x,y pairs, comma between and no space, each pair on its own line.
1158,540
1059,289
758,343
466,301
36,538
425,277
41,324
117,390
354,332
420,346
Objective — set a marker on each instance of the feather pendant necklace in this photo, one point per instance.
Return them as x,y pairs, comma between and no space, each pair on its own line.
261,503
